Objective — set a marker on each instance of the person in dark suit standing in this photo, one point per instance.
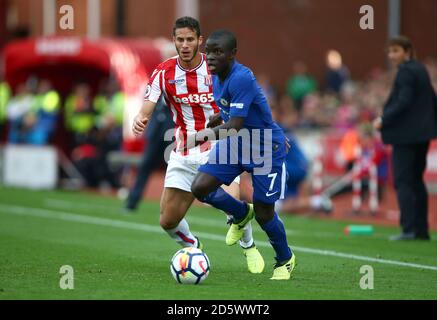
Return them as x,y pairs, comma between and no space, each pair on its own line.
408,123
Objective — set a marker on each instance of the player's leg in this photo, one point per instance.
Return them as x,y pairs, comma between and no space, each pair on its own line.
254,259
177,199
270,222
207,188
267,190
246,240
174,205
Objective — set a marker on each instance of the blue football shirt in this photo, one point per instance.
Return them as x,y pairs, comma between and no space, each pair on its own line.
241,96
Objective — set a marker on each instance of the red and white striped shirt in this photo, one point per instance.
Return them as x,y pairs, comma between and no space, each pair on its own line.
188,94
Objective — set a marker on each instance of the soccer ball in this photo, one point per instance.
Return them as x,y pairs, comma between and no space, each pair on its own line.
190,266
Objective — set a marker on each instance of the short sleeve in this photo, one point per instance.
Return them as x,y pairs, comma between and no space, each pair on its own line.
243,90
153,90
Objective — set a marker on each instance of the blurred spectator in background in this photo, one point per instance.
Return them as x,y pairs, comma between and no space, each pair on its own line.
297,166
45,110
80,116
85,158
268,90
348,147
371,152
296,163
109,105
337,73
311,107
348,111
17,108
153,154
96,125
300,84
33,117
284,107
365,139
5,95
80,122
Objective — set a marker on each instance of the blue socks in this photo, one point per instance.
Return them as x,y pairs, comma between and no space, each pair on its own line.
238,209
222,200
278,239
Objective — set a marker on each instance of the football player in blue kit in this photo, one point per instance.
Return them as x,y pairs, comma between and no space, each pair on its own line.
248,141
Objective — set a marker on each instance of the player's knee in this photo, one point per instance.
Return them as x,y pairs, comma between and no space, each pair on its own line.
263,212
262,219
198,190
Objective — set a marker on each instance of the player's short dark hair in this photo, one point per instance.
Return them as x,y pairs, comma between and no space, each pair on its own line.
187,22
403,42
228,36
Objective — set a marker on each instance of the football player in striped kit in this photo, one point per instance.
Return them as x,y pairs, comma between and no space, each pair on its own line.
185,82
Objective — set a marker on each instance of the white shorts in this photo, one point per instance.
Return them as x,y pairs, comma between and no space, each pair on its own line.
181,170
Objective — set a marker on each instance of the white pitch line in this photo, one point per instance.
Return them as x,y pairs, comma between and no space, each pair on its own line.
67,216
197,220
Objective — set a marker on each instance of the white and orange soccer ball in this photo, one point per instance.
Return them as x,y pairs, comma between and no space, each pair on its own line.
190,266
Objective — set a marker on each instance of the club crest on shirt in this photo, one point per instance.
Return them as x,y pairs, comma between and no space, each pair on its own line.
148,90
207,80
224,102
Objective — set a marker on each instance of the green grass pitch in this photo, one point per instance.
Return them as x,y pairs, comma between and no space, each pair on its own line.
117,256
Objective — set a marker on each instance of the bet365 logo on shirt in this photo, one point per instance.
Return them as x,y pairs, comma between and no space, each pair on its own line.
194,98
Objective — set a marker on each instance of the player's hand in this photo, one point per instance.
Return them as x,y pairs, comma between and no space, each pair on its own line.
139,125
377,123
214,120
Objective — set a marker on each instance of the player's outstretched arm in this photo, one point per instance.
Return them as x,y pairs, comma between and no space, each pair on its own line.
234,124
214,120
142,118
230,128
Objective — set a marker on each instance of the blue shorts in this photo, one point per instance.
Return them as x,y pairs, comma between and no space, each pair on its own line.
268,178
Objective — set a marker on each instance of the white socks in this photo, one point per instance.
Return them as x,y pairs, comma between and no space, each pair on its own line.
246,240
182,235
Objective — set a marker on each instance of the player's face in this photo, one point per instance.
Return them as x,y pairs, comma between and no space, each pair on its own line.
397,55
187,43
218,56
